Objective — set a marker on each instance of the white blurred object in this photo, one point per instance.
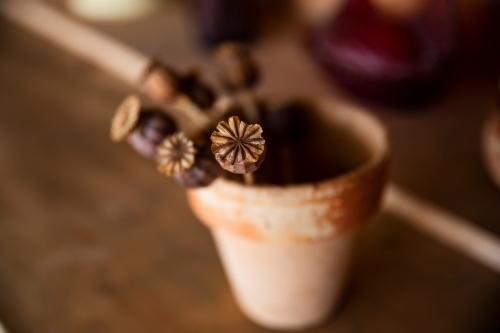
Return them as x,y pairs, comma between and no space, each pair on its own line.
112,10
316,12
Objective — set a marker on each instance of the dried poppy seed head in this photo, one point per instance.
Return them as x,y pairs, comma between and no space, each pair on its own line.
199,92
161,83
156,125
201,174
153,126
237,146
176,154
125,118
141,145
238,69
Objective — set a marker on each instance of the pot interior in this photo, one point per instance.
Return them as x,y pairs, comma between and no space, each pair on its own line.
323,140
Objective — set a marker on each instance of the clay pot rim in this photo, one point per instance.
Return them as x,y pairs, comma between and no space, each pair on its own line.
376,159
307,211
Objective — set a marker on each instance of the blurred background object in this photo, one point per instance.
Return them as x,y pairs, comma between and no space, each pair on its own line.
220,21
112,10
480,30
400,58
316,12
403,10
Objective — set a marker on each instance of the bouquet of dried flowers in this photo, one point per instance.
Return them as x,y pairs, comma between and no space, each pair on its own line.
227,131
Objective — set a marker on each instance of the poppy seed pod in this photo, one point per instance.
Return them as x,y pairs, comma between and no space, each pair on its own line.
238,69
161,83
237,146
152,128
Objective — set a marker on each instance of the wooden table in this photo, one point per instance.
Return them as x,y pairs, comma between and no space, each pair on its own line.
93,239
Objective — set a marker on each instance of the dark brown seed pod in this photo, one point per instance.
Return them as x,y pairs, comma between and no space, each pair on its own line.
153,127
126,118
142,146
238,69
199,92
156,125
237,146
201,174
176,154
165,85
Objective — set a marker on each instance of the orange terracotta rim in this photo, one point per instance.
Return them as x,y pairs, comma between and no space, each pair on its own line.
304,211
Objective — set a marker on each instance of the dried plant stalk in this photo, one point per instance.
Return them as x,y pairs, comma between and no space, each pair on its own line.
163,85
239,74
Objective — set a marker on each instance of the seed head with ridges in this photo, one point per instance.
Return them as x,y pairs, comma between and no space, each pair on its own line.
125,118
175,155
237,146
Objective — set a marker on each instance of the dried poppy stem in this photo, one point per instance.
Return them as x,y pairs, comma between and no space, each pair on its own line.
238,147
284,120
250,107
164,85
249,178
186,106
239,74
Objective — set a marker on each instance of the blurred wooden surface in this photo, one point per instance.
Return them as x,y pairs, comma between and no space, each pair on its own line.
93,239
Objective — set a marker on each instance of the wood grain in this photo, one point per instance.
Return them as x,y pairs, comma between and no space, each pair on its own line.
93,239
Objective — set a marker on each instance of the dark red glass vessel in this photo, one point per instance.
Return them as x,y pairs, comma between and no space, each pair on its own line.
221,21
388,60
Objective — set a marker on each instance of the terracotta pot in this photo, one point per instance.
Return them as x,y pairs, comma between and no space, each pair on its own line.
286,249
491,146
